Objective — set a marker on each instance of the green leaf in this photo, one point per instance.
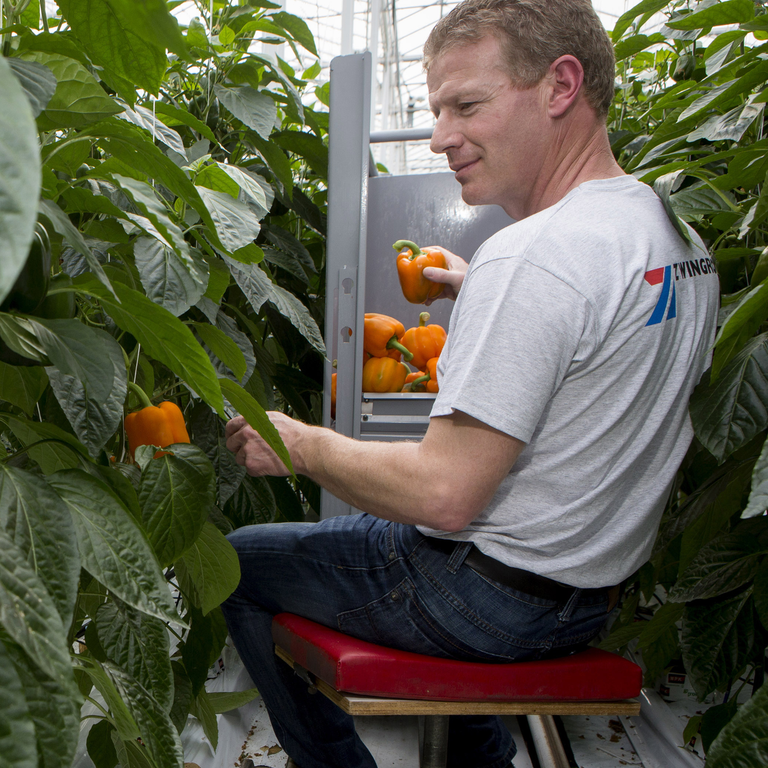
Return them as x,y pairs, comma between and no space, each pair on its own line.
725,12
157,731
201,708
758,495
291,307
646,7
251,184
659,640
176,495
730,412
127,38
173,282
88,378
724,564
256,416
182,696
714,719
700,201
39,523
253,108
223,347
78,100
17,731
633,45
100,746
139,645
226,701
740,326
716,640
19,177
620,636
60,451
308,146
236,224
275,158
21,386
204,641
297,28
114,550
118,708
29,616
743,742
162,336
54,705
213,566
728,127
158,130
38,82
253,282
184,118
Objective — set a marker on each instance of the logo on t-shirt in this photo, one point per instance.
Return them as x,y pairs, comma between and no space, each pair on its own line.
682,270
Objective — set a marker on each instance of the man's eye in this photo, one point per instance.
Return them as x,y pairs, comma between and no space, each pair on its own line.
465,105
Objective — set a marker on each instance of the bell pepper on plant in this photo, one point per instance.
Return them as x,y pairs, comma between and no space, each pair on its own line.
424,341
411,262
158,425
383,374
381,334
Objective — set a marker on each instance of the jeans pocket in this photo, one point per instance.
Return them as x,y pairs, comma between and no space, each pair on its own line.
398,620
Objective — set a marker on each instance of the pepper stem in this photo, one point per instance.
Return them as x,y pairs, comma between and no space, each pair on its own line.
140,393
421,380
402,244
423,319
393,343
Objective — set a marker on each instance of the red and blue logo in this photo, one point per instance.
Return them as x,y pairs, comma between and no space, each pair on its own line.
664,304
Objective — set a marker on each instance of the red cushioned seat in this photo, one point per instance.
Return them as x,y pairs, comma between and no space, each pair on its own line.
355,666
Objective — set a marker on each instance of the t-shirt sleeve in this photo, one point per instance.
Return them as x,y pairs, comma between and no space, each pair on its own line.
515,333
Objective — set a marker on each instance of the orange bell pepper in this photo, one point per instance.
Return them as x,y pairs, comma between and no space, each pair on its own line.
333,395
429,379
159,425
383,374
424,341
411,261
409,386
382,334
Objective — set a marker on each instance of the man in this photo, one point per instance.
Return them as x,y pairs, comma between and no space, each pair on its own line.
562,415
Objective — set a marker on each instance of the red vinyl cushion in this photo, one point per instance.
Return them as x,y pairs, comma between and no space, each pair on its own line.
355,666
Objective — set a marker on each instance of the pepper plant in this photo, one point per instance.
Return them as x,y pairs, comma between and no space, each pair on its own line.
689,119
162,198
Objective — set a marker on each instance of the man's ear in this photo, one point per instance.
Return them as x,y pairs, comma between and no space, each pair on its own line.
566,76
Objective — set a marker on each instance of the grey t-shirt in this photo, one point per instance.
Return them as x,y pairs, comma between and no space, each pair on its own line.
581,331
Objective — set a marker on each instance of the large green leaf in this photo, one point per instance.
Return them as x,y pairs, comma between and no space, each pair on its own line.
58,451
55,709
716,640
236,224
275,158
659,640
21,386
37,80
308,146
254,108
213,566
201,708
89,378
760,591
730,412
34,516
297,28
717,14
125,37
139,645
226,701
625,20
291,307
157,730
223,347
743,742
256,416
169,280
162,336
158,130
122,716
175,115
17,731
29,616
114,550
176,494
19,177
758,495
724,564
78,100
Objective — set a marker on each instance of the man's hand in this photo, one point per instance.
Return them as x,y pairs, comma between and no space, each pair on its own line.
452,277
251,450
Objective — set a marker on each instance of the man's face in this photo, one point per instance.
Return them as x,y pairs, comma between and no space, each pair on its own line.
493,134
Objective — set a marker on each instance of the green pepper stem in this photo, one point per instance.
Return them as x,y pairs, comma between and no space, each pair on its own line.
423,319
140,393
393,343
421,380
401,244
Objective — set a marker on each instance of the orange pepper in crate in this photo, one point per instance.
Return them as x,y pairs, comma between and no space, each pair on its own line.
381,334
159,425
429,379
409,386
411,261
383,374
424,341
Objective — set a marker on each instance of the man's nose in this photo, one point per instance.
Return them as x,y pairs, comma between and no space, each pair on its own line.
444,136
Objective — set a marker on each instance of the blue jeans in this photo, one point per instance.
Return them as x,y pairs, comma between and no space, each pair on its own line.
385,583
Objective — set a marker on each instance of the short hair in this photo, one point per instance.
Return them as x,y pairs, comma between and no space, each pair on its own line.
533,34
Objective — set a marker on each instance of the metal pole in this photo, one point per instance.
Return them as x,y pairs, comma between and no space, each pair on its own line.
373,47
434,753
347,26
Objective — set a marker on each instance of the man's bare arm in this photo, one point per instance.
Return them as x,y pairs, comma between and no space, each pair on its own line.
443,482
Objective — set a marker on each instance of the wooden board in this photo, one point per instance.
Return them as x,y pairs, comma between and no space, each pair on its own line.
354,704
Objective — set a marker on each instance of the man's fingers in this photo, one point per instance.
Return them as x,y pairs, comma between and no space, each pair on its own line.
234,425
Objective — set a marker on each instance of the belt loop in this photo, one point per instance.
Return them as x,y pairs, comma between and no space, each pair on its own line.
459,554
568,609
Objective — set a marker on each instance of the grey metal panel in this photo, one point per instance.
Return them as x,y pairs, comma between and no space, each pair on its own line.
427,209
347,195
